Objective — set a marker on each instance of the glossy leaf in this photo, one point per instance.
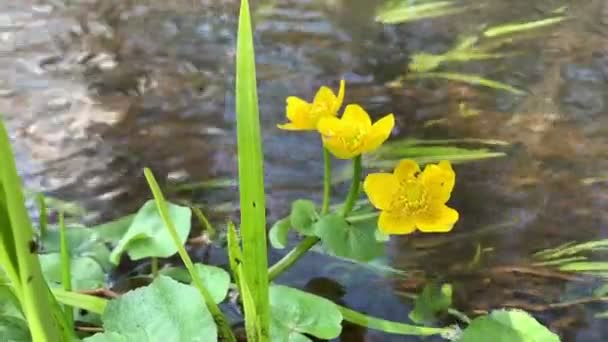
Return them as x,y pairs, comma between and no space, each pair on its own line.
166,310
435,299
215,279
278,234
303,216
147,235
352,241
507,326
296,312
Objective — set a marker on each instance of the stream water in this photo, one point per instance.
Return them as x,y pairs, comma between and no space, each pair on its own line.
92,91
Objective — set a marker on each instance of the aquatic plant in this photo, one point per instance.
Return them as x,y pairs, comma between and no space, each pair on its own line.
182,304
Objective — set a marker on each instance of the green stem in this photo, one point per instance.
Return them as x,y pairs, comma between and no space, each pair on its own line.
154,267
362,217
355,186
290,258
43,219
66,272
326,181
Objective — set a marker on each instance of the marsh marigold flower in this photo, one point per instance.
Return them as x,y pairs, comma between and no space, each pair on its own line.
354,134
304,116
409,199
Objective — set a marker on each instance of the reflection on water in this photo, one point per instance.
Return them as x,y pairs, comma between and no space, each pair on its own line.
94,91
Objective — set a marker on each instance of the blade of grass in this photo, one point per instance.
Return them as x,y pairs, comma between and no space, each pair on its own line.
43,216
506,29
219,318
17,236
471,79
251,176
80,301
409,12
66,272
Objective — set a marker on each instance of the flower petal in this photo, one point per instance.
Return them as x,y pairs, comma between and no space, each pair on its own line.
439,180
406,169
379,132
336,146
437,219
390,223
340,99
381,189
357,116
326,98
329,126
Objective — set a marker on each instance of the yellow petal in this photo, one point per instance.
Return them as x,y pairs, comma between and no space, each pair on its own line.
379,132
336,146
439,181
381,188
297,109
357,116
390,223
329,126
325,97
406,169
340,99
437,219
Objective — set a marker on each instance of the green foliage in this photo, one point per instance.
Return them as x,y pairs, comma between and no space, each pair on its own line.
147,236
279,232
303,216
165,310
508,29
405,11
13,329
215,279
82,243
295,313
466,78
251,181
507,326
87,274
435,299
353,241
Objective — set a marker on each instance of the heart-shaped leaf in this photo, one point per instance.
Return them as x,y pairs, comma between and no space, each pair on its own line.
165,310
303,215
86,272
82,242
215,279
147,235
14,329
507,326
294,312
353,241
433,300
279,232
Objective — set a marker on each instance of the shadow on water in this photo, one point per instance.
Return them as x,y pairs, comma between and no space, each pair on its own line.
94,91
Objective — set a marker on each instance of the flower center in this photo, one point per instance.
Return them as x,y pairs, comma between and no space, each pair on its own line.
411,198
354,141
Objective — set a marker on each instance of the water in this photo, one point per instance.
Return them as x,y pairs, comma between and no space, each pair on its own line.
95,90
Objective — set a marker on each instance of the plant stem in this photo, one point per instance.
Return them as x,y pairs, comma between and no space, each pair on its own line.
43,219
154,267
355,186
295,254
362,217
66,272
326,181
290,258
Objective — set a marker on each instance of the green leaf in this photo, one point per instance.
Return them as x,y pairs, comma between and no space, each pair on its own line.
82,242
279,232
408,12
165,310
435,299
13,329
81,301
465,78
251,181
113,231
109,337
147,235
508,326
303,216
215,279
87,274
9,304
353,241
296,312
512,28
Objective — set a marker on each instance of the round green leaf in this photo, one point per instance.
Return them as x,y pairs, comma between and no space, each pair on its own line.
279,232
215,279
108,337
82,242
353,241
303,215
147,235
508,326
294,312
14,329
165,310
87,274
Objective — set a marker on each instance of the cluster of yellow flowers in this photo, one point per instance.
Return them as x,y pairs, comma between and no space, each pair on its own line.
407,198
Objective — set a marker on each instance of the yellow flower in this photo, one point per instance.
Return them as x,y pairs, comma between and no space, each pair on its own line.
409,199
354,133
304,116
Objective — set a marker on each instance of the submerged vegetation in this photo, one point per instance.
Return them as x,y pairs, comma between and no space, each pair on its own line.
53,282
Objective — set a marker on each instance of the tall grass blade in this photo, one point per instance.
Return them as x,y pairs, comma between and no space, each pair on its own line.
251,177
512,28
471,79
408,12
19,251
66,272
